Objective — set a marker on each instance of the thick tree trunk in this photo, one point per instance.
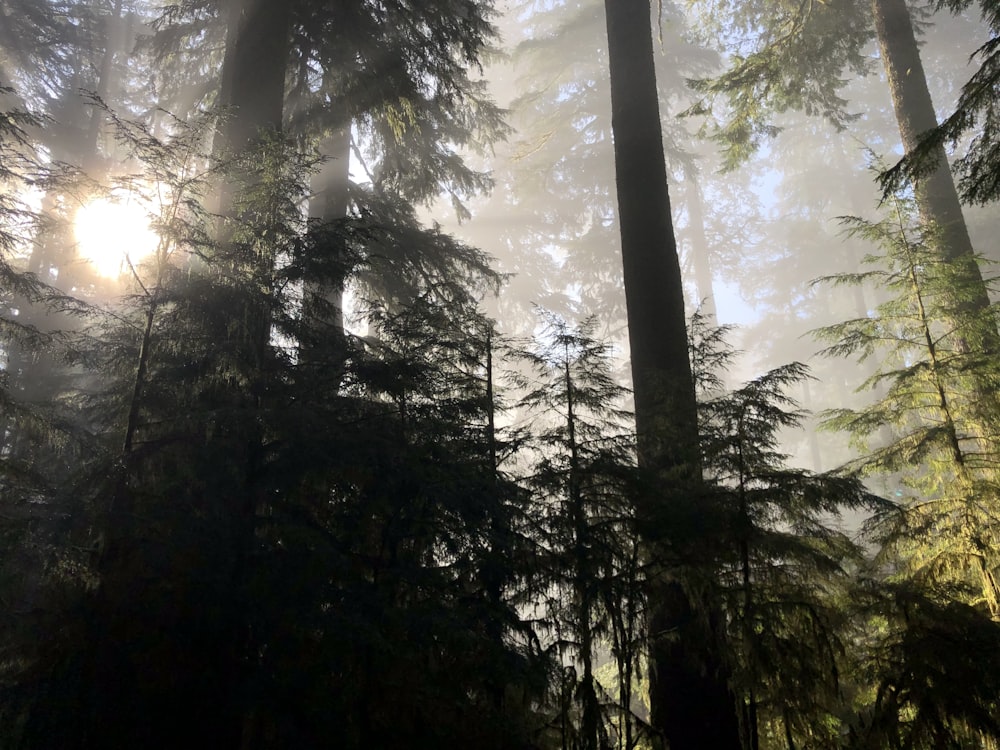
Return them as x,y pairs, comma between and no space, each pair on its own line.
664,393
323,299
170,631
258,39
691,704
253,70
258,43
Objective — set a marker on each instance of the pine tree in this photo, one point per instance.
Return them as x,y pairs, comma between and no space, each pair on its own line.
690,701
172,506
787,567
243,301
943,443
584,481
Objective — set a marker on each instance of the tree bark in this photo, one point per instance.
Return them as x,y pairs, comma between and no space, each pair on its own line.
937,198
253,70
258,42
691,704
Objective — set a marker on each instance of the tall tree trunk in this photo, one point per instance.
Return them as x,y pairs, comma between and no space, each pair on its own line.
691,703
323,299
171,635
253,71
936,196
701,261
258,40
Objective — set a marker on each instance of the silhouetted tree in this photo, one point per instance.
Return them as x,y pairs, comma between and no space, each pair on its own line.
787,568
690,700
584,482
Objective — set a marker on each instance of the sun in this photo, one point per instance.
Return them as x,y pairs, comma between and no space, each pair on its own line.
111,232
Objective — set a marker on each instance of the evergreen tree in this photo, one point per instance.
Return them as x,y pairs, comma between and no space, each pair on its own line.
792,57
404,539
584,481
974,113
690,701
175,502
787,569
943,444
928,434
233,393
196,387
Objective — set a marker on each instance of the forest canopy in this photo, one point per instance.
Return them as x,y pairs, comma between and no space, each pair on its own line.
538,375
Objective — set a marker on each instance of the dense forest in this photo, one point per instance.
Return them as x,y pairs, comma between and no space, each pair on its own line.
523,375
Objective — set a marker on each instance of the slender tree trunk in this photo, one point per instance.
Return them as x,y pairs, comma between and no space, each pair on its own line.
691,704
751,736
495,572
583,576
114,41
701,261
815,452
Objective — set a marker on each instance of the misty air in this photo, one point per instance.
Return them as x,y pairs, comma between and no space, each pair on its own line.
499,374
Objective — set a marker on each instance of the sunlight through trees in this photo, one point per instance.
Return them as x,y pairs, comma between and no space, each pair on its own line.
365,382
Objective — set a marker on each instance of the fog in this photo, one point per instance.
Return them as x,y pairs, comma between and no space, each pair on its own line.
346,400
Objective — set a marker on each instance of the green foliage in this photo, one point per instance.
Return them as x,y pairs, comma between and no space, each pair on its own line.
975,115
926,612
926,661
584,482
405,541
402,74
784,567
932,420
783,56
